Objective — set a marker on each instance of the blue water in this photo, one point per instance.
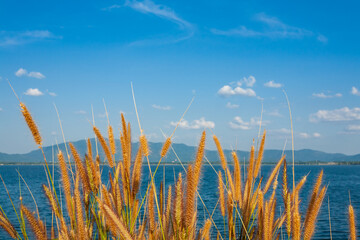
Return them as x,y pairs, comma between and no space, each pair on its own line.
340,180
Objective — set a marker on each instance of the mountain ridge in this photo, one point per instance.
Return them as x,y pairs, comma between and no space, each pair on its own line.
185,152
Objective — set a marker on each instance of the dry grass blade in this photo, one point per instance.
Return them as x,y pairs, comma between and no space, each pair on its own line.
36,225
296,233
273,174
288,214
66,184
230,181
144,145
136,175
314,195
222,195
298,187
104,146
285,183
165,147
119,227
206,230
79,212
7,226
251,164
352,223
190,196
151,211
237,179
178,202
199,157
31,124
310,224
168,209
260,155
80,168
111,140
221,152
52,201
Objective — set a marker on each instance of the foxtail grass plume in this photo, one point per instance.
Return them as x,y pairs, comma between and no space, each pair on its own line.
31,124
165,147
352,223
221,152
104,146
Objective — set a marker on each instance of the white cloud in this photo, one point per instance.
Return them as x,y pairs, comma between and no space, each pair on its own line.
239,123
304,135
52,94
36,75
13,38
355,91
341,114
231,105
322,38
23,72
229,91
249,81
272,84
307,135
33,92
274,29
323,95
353,128
81,112
165,108
196,124
149,7
237,89
316,135
111,7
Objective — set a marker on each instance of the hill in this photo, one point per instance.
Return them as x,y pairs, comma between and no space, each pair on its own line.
186,154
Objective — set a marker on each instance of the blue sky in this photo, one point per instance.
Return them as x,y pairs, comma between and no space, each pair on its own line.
231,56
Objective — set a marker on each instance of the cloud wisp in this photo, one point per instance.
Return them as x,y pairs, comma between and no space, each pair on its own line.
13,38
336,115
150,8
196,124
232,105
164,108
274,29
272,84
80,112
23,72
355,91
239,123
324,96
35,92
309,135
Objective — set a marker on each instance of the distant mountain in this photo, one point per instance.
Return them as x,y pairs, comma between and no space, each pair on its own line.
184,152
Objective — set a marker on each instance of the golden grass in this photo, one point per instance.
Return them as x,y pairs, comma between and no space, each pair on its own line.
352,223
31,124
119,210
